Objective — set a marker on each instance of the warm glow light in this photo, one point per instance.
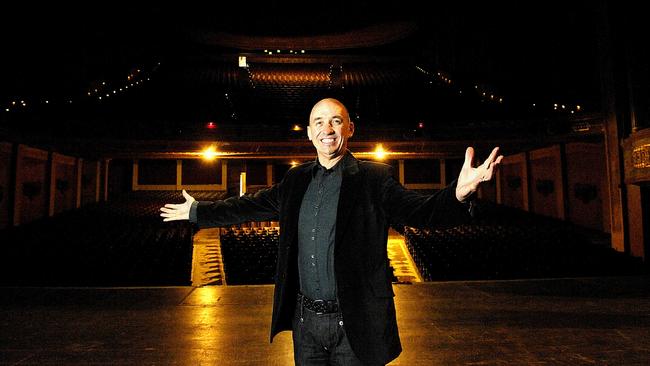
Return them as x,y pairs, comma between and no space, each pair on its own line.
577,108
293,163
296,128
242,183
211,125
210,153
421,125
379,152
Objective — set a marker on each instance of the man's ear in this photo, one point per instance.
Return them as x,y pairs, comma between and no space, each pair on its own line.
351,129
309,132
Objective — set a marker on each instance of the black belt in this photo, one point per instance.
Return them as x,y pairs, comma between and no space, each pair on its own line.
318,306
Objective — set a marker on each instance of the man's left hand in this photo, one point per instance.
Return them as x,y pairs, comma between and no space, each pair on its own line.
470,178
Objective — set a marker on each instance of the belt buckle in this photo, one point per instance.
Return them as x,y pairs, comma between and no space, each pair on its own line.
319,301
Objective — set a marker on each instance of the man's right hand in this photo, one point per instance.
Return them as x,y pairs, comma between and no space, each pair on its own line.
181,211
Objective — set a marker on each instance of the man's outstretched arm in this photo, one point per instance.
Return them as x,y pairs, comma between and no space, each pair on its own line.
261,206
447,207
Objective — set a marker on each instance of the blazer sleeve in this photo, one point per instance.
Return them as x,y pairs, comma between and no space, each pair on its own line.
261,206
411,208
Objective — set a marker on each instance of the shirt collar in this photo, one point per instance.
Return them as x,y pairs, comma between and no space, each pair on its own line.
338,167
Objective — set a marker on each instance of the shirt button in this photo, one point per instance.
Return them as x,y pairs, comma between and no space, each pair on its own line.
312,256
313,230
312,238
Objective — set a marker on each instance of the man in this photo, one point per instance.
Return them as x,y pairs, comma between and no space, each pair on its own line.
333,282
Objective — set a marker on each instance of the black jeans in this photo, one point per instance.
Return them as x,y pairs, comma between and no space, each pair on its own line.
319,339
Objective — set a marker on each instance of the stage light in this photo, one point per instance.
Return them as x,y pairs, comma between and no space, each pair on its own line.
296,128
379,152
211,125
209,153
293,163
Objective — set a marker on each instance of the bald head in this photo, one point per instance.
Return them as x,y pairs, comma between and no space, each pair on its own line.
329,102
329,130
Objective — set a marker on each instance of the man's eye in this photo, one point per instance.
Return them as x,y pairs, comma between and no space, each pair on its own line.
337,121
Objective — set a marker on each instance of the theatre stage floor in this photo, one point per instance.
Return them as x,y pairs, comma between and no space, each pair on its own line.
595,321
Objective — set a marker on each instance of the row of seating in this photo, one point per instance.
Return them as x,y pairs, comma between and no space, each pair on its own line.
355,75
250,254
508,243
125,242
121,242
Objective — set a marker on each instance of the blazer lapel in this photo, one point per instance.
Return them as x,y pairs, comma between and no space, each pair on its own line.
296,193
348,194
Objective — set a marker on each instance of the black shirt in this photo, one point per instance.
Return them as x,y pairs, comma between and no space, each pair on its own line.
317,232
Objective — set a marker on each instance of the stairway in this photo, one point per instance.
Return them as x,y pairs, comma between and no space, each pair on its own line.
207,262
404,268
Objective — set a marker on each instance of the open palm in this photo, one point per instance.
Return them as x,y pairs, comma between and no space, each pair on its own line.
180,211
470,178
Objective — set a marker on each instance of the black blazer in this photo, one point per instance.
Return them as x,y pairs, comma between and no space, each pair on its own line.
370,201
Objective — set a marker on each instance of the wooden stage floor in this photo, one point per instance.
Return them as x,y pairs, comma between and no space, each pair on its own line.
581,321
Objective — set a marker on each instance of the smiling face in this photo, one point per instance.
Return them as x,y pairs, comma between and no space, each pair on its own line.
329,130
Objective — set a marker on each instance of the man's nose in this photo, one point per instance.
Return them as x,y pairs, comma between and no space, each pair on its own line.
328,129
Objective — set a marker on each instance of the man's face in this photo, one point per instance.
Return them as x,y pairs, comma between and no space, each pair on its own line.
329,128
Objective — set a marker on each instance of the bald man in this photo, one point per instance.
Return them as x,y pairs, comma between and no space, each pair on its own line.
333,282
